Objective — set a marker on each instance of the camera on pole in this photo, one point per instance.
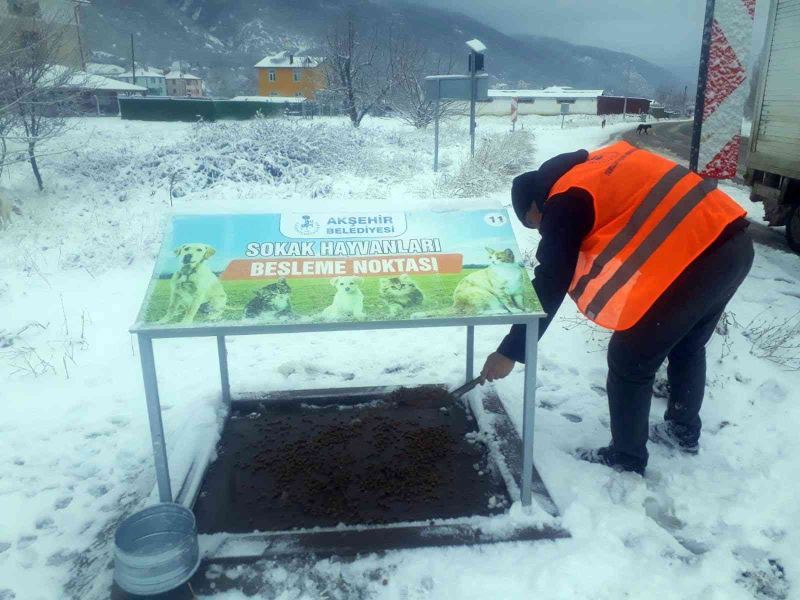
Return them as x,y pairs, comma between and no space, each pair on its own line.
475,63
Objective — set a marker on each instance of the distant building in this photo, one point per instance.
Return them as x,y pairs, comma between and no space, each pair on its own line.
287,75
153,79
291,105
615,105
30,21
546,101
89,93
104,69
180,83
658,110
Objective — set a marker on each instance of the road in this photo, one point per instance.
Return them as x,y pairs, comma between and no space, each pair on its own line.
673,139
670,138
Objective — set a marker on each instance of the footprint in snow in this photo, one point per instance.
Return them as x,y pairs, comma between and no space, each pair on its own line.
572,418
63,503
662,510
61,557
25,541
120,421
772,391
721,426
619,486
599,389
98,490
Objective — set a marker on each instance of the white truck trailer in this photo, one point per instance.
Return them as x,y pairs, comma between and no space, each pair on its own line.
773,166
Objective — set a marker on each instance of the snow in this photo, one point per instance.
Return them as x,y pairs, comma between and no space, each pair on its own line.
179,75
286,59
272,99
82,80
142,72
548,92
76,455
104,69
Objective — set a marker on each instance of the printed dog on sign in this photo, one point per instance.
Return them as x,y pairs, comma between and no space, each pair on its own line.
348,302
194,286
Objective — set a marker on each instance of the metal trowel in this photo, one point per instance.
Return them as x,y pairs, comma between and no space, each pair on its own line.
460,391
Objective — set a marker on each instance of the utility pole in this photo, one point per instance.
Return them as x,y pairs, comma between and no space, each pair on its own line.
476,62
627,84
76,10
436,127
702,79
133,62
683,107
472,94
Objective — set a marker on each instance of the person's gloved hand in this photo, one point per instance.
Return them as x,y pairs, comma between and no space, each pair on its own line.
496,367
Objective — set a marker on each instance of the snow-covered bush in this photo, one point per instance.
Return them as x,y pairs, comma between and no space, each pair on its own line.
776,339
271,151
497,157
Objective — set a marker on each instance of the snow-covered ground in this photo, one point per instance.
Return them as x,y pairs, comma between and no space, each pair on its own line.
76,456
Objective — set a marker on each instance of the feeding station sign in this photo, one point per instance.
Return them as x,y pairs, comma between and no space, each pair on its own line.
247,274
322,268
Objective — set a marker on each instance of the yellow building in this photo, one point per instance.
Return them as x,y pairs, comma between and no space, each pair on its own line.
287,75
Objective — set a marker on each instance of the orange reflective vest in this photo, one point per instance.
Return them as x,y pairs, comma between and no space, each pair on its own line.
653,217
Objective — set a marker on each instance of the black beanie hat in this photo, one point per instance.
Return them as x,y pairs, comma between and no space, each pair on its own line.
534,186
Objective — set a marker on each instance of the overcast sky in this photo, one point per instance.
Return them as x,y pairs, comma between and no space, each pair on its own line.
665,32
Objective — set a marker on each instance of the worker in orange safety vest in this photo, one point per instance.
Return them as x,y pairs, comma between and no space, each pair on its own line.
650,250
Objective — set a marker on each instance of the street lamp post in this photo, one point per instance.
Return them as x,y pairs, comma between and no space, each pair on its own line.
476,50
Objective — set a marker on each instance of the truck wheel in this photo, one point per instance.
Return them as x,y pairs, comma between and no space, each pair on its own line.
793,228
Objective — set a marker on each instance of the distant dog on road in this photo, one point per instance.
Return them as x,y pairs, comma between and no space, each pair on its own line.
348,302
642,128
194,285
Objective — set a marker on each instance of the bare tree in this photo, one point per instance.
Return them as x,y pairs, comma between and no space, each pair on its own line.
360,68
670,97
7,115
36,92
408,98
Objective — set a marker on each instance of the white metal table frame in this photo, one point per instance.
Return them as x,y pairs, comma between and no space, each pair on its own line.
147,333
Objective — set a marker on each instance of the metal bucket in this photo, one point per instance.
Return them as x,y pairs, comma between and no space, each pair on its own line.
155,550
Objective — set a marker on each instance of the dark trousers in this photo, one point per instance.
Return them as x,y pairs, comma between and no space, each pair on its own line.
677,327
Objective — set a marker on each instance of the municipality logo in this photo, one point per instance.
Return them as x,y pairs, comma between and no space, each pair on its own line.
306,225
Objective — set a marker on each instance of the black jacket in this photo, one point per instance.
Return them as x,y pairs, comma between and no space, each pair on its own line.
566,220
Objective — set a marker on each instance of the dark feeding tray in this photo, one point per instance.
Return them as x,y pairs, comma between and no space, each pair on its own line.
350,471
413,455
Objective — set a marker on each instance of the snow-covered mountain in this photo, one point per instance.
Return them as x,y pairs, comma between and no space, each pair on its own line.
222,39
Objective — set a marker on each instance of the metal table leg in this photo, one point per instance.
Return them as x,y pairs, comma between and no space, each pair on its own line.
154,415
222,351
470,352
529,407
